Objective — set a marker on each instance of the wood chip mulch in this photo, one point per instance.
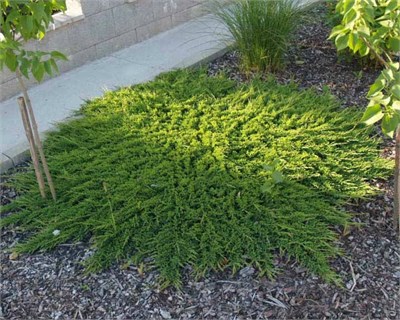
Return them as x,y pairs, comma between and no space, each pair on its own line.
52,285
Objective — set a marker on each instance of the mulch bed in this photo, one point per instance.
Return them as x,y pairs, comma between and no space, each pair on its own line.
53,285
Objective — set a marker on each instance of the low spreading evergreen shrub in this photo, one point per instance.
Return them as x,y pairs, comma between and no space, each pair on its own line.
193,170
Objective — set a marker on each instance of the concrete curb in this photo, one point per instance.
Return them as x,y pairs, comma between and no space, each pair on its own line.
16,155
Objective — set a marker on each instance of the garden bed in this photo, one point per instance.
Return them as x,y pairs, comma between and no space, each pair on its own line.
53,284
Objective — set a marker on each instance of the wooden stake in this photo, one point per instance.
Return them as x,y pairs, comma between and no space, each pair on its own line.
37,140
29,135
396,211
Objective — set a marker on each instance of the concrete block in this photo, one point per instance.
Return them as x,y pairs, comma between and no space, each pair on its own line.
102,25
8,89
110,46
90,7
63,19
132,15
116,3
163,8
91,30
181,5
30,45
78,59
80,36
188,14
6,75
56,40
153,28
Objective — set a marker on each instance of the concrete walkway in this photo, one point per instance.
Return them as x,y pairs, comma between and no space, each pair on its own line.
56,99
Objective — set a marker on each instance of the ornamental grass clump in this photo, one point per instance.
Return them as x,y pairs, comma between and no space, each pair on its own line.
261,30
189,170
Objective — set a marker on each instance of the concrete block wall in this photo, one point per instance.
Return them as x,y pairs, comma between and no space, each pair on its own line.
92,29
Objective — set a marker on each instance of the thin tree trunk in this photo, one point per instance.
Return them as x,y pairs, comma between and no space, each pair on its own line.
38,142
29,135
396,212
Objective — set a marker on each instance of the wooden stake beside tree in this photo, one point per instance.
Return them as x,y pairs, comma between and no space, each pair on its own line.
21,21
36,136
32,147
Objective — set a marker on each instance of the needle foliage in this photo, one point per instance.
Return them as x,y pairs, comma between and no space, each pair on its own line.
179,170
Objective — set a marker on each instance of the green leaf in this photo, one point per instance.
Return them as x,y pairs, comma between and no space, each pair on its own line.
396,90
386,23
364,30
348,5
40,34
341,41
337,30
38,71
26,27
394,65
350,16
38,12
354,42
389,124
47,67
363,50
58,55
380,99
388,74
24,67
12,17
11,61
393,5
394,44
377,86
385,101
54,65
369,12
396,105
372,114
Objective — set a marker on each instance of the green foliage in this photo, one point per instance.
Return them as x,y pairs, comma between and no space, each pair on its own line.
384,96
261,29
375,22
372,27
194,170
23,20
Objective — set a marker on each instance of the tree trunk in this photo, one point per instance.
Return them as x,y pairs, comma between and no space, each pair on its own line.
396,211
37,140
